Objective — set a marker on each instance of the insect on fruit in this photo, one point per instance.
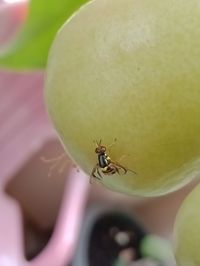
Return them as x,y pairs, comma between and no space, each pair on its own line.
105,164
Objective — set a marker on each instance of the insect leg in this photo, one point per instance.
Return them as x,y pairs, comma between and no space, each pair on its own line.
110,170
98,172
93,175
132,171
119,166
124,168
120,159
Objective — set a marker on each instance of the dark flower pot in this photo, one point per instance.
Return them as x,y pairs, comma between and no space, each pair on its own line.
107,236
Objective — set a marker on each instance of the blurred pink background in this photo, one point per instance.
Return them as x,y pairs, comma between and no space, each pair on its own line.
26,135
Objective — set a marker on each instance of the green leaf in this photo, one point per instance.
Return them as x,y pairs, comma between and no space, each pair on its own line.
30,48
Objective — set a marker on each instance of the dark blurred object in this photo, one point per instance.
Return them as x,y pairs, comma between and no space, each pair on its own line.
107,235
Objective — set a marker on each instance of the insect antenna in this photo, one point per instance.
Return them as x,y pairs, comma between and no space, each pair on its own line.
99,144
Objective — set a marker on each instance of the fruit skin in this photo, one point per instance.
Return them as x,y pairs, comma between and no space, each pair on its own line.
130,70
186,231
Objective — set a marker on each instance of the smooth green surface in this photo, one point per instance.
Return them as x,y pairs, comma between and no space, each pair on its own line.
31,47
157,248
130,70
187,231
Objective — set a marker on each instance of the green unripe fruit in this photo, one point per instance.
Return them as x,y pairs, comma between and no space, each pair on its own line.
130,70
186,231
